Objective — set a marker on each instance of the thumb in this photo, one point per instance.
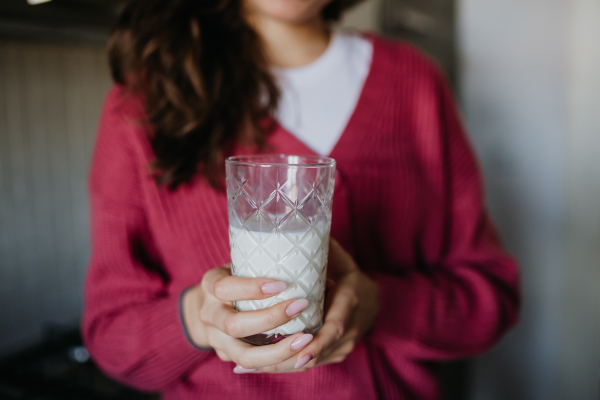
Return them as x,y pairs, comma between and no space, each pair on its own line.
339,262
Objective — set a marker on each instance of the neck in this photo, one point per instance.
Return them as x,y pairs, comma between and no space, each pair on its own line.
290,45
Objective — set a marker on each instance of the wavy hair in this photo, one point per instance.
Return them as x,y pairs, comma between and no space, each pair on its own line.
203,77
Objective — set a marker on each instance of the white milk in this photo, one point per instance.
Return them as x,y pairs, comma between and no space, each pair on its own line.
297,258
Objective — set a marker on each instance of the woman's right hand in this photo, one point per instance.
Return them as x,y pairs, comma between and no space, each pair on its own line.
212,322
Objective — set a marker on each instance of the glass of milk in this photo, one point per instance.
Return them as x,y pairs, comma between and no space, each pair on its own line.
279,222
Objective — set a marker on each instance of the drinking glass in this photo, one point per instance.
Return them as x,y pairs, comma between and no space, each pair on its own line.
279,221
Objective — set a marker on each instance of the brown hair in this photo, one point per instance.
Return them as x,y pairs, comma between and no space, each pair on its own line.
204,79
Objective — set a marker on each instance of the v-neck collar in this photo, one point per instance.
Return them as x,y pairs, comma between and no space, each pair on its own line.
367,86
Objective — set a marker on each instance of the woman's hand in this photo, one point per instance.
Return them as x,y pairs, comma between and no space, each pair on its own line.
212,322
351,306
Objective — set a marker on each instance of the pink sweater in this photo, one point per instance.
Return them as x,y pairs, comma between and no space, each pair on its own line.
408,206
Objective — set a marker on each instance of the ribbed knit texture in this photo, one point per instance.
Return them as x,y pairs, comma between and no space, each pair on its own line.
408,206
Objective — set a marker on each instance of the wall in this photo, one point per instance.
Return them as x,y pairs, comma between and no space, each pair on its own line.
579,352
50,98
530,78
364,16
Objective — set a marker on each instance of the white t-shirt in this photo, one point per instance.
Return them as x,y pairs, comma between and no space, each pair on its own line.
317,100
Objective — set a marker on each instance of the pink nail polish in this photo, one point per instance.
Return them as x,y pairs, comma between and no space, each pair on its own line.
273,287
241,370
301,341
303,361
296,307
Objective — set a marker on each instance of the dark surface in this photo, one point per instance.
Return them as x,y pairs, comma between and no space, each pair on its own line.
59,369
455,380
83,21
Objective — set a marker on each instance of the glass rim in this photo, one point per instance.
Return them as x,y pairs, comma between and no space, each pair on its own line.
247,160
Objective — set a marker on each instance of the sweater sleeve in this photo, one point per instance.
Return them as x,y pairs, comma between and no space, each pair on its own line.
466,296
131,324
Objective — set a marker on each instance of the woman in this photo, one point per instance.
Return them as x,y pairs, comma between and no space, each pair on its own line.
417,277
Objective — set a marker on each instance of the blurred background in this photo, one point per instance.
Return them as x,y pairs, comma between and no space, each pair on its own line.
527,78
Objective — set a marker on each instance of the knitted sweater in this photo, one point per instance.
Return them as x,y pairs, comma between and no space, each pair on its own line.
408,206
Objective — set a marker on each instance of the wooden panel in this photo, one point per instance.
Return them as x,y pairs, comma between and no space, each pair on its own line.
50,98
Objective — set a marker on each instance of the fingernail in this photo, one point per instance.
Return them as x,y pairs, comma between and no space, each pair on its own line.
241,370
296,307
303,361
301,341
273,287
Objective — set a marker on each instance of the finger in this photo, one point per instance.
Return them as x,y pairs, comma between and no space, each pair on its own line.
246,323
220,283
344,285
339,354
339,261
255,357
290,365
230,349
213,275
222,356
326,337
336,320
233,288
282,367
340,304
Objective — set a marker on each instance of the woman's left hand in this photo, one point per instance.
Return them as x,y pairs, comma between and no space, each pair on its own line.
352,306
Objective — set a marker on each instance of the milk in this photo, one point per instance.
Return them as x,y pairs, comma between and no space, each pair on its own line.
298,258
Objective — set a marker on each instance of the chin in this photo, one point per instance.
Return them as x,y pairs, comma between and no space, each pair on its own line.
290,11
